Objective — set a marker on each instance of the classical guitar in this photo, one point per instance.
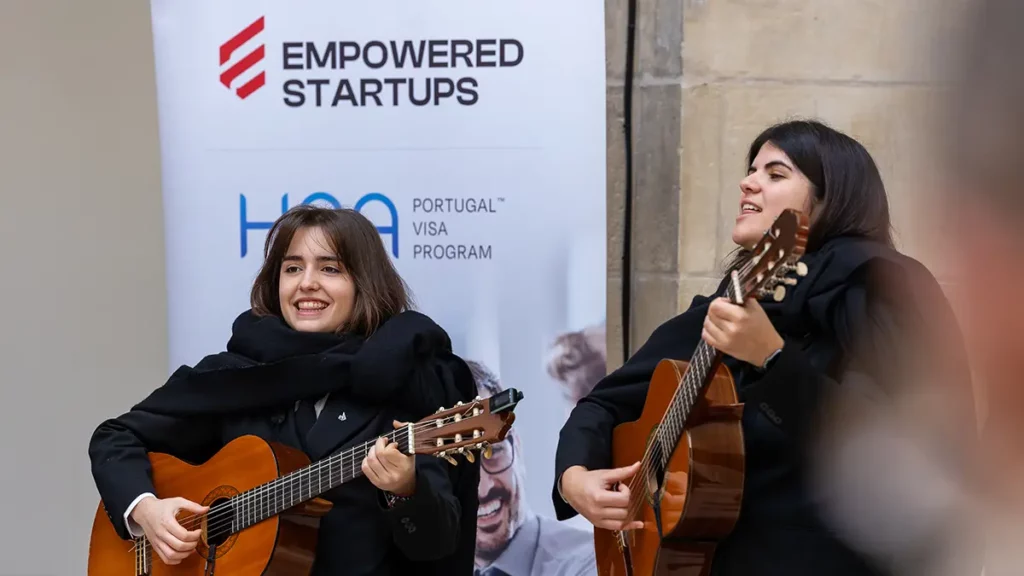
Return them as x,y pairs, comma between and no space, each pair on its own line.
689,440
264,500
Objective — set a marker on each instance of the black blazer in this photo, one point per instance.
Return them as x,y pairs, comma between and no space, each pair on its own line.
361,535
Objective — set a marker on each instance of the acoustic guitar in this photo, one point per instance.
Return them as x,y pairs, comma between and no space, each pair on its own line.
689,439
264,506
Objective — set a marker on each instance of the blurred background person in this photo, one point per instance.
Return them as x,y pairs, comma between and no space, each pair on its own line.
511,539
577,360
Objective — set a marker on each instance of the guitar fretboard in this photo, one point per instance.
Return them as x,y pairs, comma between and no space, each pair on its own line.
691,388
696,378
268,500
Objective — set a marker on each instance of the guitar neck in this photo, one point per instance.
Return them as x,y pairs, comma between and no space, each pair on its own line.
274,497
698,374
703,363
449,432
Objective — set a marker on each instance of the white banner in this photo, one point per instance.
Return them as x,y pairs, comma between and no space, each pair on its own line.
472,134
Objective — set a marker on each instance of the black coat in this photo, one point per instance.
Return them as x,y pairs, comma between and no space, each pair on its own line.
433,532
851,304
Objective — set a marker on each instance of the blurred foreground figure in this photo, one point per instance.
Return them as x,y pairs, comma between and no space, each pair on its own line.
893,484
986,190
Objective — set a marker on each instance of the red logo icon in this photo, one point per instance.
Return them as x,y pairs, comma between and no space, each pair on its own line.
245,63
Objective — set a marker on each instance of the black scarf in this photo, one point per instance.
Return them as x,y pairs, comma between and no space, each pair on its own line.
846,275
836,301
268,365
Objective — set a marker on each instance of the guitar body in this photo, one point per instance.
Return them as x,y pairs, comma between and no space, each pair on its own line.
283,544
703,481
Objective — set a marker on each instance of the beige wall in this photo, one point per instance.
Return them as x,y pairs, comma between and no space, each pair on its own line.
83,333
710,75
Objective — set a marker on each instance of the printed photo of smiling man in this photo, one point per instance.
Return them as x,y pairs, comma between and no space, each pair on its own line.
512,540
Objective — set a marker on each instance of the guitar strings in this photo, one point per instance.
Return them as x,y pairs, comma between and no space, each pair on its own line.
216,515
226,517
655,449
223,515
636,498
252,506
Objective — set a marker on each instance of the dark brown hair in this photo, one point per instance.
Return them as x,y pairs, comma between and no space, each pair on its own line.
849,198
380,291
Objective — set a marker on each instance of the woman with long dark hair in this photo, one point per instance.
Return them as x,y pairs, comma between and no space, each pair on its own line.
786,357
328,356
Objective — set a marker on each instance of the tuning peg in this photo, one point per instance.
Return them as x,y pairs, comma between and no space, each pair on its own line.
469,455
800,268
487,451
788,281
451,460
779,293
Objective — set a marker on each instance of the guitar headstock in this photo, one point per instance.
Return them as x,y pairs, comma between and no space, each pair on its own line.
466,427
775,256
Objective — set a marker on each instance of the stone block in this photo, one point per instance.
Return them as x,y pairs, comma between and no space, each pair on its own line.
613,322
700,178
865,40
660,38
906,157
655,300
616,14
690,286
656,177
615,169
896,124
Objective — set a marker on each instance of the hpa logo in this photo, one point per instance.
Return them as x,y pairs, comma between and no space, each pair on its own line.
242,65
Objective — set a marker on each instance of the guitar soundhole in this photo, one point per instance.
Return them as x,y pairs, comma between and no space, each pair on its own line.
655,472
217,526
217,533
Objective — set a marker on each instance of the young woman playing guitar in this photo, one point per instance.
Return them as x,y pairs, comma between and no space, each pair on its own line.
786,358
328,355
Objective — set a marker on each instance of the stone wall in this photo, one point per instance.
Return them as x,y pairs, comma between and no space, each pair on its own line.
709,75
